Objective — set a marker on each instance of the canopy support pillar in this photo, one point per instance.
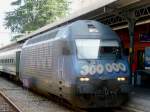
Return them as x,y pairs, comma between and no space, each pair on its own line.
131,19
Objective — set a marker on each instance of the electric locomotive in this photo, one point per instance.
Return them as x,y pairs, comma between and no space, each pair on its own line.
81,62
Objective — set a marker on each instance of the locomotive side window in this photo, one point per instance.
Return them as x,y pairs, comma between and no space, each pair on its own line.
42,37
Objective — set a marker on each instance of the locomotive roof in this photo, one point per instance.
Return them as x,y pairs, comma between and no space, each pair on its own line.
92,28
78,29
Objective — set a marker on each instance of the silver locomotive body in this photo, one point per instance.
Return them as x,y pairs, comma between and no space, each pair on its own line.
44,65
58,62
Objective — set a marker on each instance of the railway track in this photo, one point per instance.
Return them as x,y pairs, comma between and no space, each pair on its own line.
6,105
27,101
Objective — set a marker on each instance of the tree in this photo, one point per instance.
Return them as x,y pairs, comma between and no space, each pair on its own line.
14,38
33,14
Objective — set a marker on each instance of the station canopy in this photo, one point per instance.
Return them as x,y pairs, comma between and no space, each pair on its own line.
110,12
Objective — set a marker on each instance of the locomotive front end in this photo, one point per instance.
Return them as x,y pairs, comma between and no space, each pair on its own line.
103,79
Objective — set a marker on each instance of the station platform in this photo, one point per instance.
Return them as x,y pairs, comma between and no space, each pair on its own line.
139,99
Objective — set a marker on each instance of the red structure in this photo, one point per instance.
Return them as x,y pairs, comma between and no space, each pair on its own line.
138,45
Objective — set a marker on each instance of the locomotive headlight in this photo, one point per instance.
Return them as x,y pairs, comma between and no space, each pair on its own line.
84,79
121,79
122,67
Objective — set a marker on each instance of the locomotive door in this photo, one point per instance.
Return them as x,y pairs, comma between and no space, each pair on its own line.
60,74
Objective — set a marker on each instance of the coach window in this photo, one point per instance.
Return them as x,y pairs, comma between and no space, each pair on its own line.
14,61
11,61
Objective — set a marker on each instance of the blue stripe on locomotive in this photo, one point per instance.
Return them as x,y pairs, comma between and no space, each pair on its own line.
105,74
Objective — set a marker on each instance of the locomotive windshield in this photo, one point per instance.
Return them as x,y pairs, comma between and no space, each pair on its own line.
96,49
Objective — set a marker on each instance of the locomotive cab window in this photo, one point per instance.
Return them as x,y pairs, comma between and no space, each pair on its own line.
109,49
96,49
87,48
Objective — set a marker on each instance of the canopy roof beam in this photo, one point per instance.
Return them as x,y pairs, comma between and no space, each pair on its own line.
116,18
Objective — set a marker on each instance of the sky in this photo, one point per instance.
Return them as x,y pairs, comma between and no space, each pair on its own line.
5,34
